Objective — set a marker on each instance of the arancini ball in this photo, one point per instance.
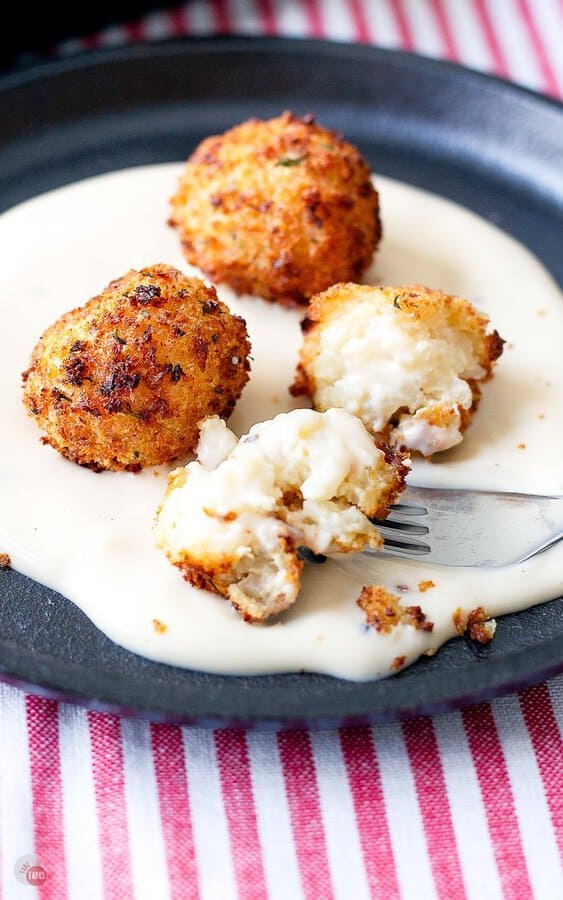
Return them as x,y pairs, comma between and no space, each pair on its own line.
281,209
123,381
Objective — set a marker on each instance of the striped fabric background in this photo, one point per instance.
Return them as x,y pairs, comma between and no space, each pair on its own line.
516,39
464,805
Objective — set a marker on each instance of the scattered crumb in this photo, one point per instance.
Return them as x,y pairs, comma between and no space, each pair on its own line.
156,473
510,346
320,638
542,313
541,416
478,625
402,587
431,651
384,611
521,446
398,663
276,400
5,561
425,586
459,621
159,626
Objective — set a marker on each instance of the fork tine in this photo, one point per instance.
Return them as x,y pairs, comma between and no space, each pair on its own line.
397,525
411,548
409,509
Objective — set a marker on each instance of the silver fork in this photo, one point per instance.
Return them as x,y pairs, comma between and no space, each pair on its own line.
470,528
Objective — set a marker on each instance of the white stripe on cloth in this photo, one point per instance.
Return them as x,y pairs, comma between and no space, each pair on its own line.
113,36
272,814
157,26
548,16
16,817
290,17
515,43
337,22
536,829
424,28
210,830
382,23
148,859
555,688
199,18
341,832
468,34
406,828
244,17
469,819
82,849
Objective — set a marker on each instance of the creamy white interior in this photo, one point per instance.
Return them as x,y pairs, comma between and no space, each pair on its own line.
373,362
90,536
218,512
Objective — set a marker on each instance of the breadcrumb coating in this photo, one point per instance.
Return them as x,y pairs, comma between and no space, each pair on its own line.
280,208
234,525
407,360
123,381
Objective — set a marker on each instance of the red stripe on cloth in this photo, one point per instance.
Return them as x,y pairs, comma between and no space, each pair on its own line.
369,805
304,808
361,26
541,723
135,30
313,11
446,32
544,64
47,791
403,25
496,792
432,794
221,16
267,15
238,800
170,770
109,790
178,21
91,41
500,66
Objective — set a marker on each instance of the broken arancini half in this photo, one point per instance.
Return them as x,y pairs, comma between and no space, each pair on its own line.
408,361
233,520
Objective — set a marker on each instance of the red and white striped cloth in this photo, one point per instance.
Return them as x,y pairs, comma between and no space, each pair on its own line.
464,805
521,40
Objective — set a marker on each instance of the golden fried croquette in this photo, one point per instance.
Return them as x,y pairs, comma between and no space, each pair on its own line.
122,382
407,360
232,521
281,209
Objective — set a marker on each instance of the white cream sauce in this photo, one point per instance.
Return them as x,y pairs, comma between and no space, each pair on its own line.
89,536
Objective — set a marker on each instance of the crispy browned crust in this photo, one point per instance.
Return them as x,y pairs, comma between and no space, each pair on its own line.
5,561
282,209
478,625
384,611
399,469
217,576
123,381
416,301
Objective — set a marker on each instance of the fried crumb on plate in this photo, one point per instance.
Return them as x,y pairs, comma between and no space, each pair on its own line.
478,625
384,611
